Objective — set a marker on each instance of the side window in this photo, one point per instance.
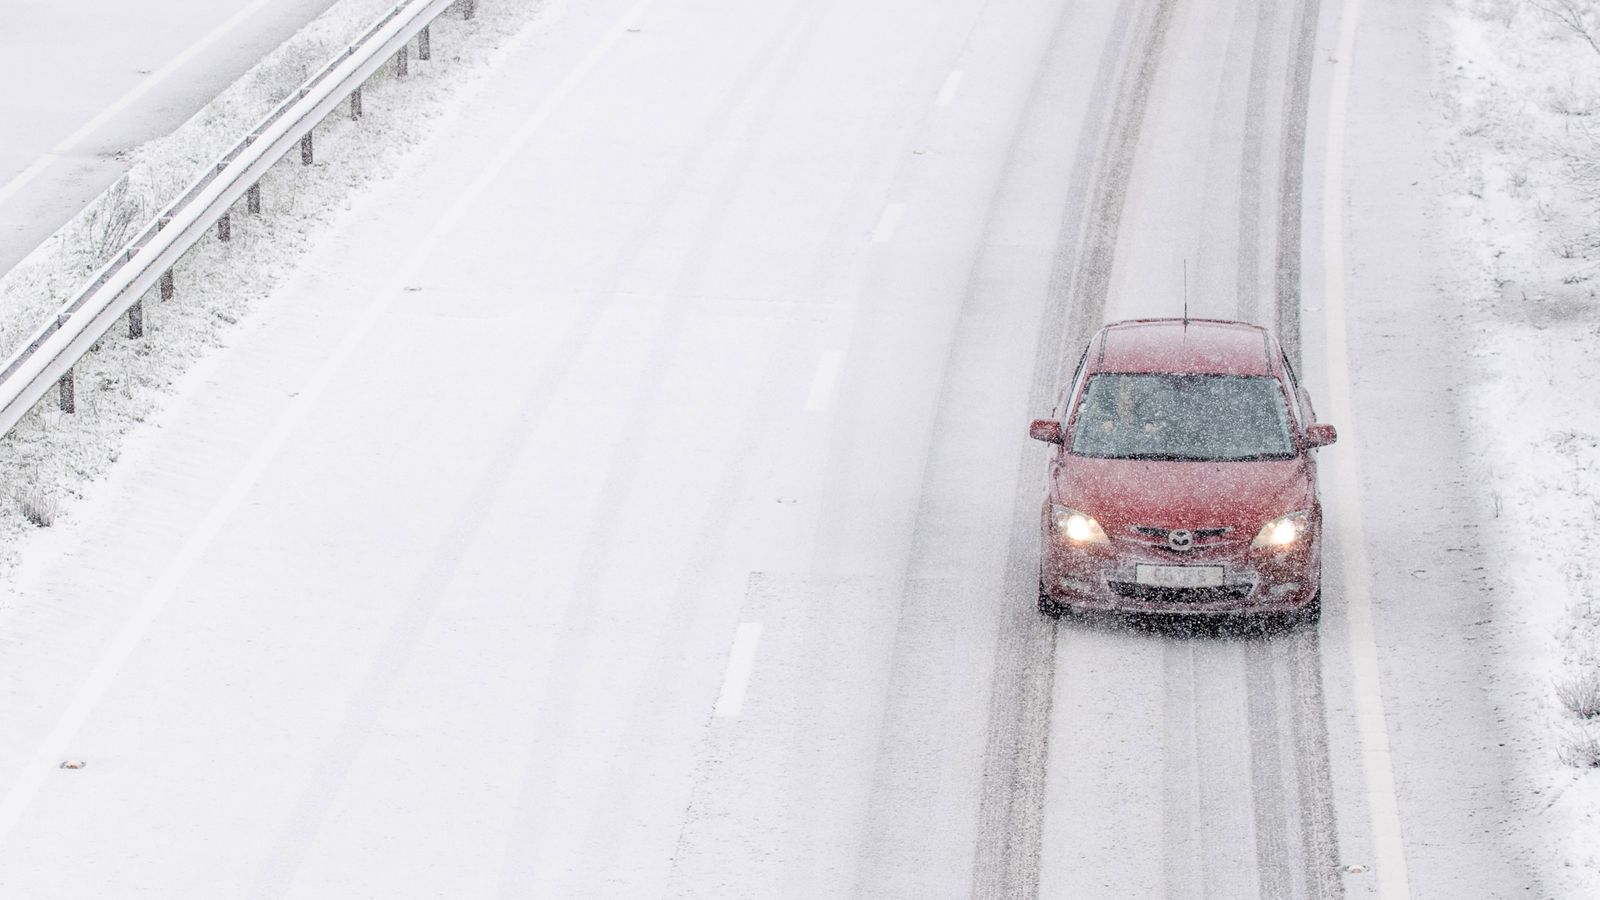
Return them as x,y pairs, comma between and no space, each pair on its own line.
1071,391
1294,394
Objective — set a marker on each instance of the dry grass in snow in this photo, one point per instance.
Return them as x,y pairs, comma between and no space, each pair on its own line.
1520,96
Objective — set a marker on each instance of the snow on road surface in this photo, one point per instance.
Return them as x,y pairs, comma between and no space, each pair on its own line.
632,496
89,81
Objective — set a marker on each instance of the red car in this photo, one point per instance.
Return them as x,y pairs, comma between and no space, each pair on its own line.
1183,479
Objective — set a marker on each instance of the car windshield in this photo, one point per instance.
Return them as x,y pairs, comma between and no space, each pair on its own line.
1182,417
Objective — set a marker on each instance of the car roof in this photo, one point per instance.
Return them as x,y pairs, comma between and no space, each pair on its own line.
1192,346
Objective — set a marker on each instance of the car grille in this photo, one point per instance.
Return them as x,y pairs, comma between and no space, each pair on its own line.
1180,595
1200,538
1161,533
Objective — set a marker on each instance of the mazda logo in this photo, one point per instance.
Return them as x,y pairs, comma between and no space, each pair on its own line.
1180,539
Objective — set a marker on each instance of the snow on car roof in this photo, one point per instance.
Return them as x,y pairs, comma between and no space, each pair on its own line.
1198,346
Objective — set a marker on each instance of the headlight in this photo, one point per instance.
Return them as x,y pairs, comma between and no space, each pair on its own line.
1284,530
1077,527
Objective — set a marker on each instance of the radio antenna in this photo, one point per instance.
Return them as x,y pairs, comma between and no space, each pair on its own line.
1186,293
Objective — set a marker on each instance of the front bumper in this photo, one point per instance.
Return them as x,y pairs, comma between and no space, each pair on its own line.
1104,577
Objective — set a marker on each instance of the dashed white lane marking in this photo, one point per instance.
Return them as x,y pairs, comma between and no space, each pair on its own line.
888,222
53,749
139,90
827,378
27,175
1377,762
741,660
951,85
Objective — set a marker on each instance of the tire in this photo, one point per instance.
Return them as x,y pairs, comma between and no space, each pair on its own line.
1047,604
1311,614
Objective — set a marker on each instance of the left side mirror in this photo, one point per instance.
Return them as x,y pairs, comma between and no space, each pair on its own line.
1047,430
1320,435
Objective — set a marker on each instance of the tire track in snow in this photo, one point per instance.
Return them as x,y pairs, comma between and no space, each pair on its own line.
581,622
1291,781
1090,272
1319,835
1183,858
1296,656
1319,843
645,724
282,861
1011,806
1305,777
957,593
1249,274
1290,192
1267,790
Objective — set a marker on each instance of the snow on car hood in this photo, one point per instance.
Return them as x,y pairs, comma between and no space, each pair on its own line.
1241,495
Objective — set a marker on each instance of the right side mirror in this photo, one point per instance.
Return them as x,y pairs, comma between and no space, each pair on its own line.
1320,435
1047,430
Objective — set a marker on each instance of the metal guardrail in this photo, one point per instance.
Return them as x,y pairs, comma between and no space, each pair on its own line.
118,288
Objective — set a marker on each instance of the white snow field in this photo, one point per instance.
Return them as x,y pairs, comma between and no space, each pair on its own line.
88,81
628,494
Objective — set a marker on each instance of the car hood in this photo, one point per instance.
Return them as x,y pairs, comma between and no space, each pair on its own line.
1121,493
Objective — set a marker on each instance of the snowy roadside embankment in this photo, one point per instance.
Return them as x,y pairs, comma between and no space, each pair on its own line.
1521,100
50,458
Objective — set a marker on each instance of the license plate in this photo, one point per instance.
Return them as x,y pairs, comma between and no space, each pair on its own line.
1179,576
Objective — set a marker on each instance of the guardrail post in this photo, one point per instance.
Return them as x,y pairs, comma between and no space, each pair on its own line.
224,228
305,150
166,277
64,389
355,103
252,199
136,319
424,45
402,60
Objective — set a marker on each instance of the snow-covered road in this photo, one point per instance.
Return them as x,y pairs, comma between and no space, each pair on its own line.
633,498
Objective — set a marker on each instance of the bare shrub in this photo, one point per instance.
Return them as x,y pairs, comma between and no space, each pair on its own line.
112,222
1503,12
1568,246
1569,105
1573,98
1581,693
38,508
1581,155
1577,151
1582,749
277,78
1581,17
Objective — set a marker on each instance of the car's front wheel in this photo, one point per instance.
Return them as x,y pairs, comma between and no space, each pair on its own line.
1048,604
1310,614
